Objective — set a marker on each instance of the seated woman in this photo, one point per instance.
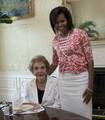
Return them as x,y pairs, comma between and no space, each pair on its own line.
43,89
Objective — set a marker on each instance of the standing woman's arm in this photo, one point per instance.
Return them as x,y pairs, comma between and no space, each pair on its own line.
88,93
54,64
90,64
91,74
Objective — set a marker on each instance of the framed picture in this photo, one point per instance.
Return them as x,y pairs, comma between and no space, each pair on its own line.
17,9
66,3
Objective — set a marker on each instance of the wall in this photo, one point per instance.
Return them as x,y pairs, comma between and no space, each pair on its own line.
84,10
99,53
23,39
12,85
19,42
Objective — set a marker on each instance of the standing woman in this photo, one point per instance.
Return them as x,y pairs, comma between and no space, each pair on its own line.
73,54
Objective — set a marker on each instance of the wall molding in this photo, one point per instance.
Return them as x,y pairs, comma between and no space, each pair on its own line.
12,83
100,42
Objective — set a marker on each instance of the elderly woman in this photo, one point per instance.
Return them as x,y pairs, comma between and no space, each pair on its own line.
43,89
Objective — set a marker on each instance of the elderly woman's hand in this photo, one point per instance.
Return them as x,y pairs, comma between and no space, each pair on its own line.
87,95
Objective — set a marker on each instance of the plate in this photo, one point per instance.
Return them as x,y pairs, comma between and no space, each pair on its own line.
23,108
27,109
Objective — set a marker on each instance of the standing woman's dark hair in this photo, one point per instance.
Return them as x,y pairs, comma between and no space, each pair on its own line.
57,11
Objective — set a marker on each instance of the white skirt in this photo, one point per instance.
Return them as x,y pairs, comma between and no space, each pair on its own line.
72,87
